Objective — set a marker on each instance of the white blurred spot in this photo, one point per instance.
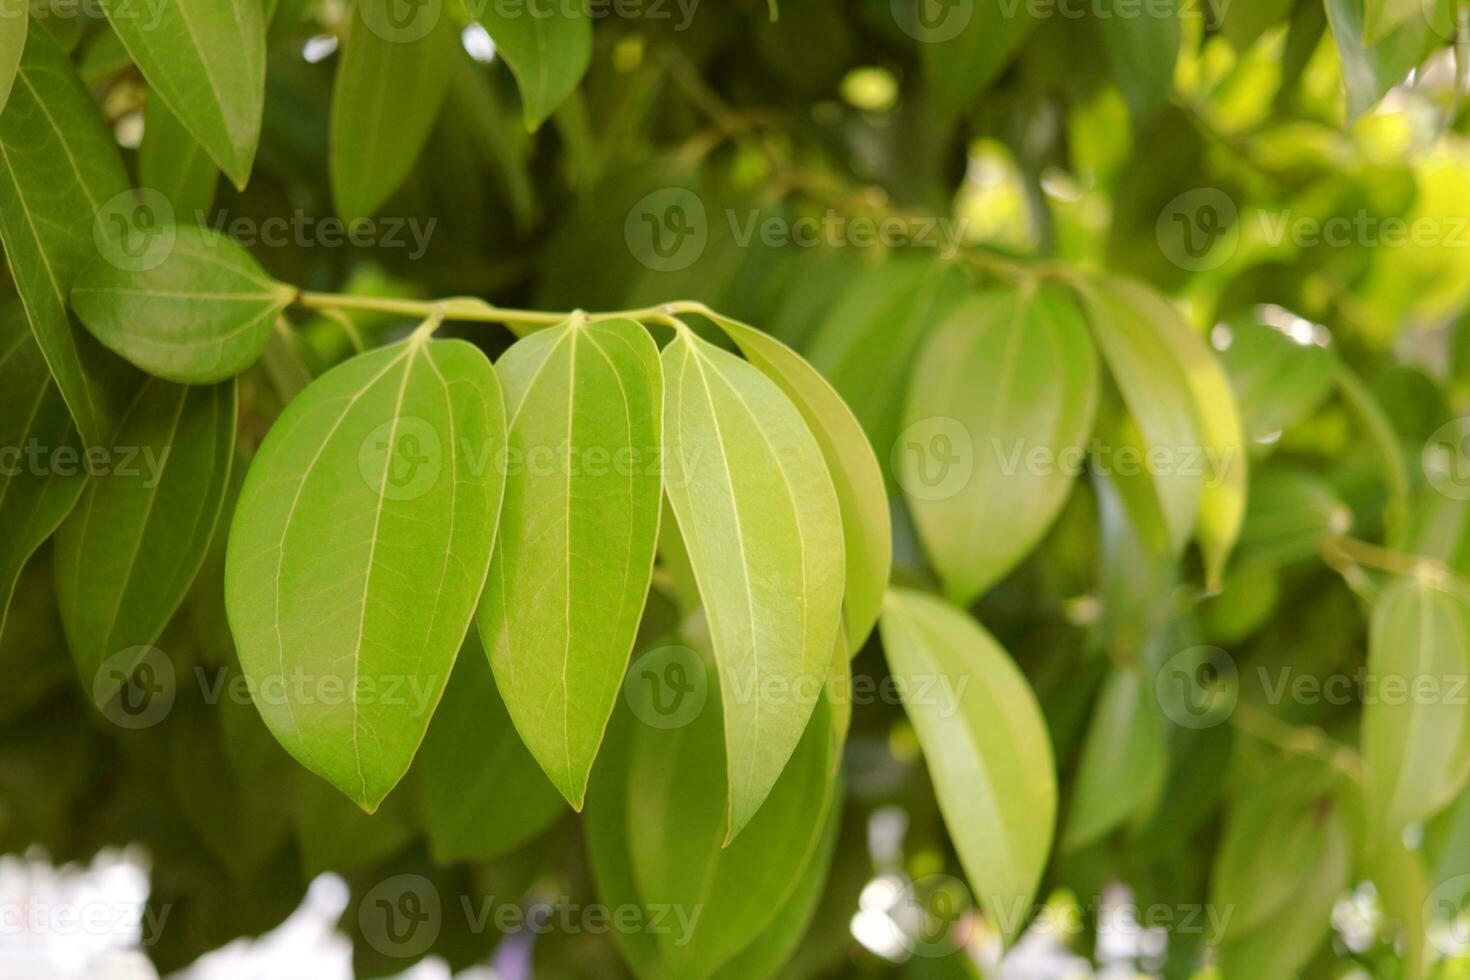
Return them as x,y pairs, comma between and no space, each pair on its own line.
478,43
319,48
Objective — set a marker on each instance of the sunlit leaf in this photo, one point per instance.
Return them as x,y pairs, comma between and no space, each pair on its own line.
547,45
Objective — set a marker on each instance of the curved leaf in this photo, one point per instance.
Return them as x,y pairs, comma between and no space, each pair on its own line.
385,99
760,519
867,530
1124,760
59,165
1018,372
574,554
199,311
985,744
128,553
14,17
548,47
1277,380
206,59
358,551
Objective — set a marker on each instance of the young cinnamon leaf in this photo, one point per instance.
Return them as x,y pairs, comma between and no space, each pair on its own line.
985,744
574,554
358,551
1018,372
128,553
548,47
59,166
760,519
196,308
867,531
385,99
206,59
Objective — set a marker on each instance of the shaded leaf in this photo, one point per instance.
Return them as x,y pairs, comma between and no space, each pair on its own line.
1124,759
548,46
171,162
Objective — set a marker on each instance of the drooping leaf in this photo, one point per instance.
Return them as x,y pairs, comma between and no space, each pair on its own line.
1370,67
41,471
58,167
1416,727
957,66
656,831
195,308
14,17
1220,456
1278,380
867,531
1123,763
760,519
206,59
358,551
574,553
385,99
171,162
1160,403
128,553
1142,42
986,746
1017,372
483,792
547,45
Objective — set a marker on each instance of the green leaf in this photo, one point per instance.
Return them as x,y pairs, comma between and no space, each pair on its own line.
1142,43
58,167
1017,373
358,551
29,646
1160,403
1370,67
483,792
37,490
1404,892
14,18
574,554
206,59
986,746
1291,513
656,832
128,553
957,66
1124,759
336,836
385,99
189,305
548,47
1382,17
1278,380
867,531
1416,727
760,518
172,162
1222,436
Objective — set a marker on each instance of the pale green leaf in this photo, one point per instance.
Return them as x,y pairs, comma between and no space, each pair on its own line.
171,162
1124,759
1221,453
14,17
574,553
128,553
985,744
58,167
1382,17
1160,403
1015,372
1370,67
206,59
548,47
195,308
1404,891
483,792
867,531
1416,727
385,99
1278,380
760,519
37,490
358,551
